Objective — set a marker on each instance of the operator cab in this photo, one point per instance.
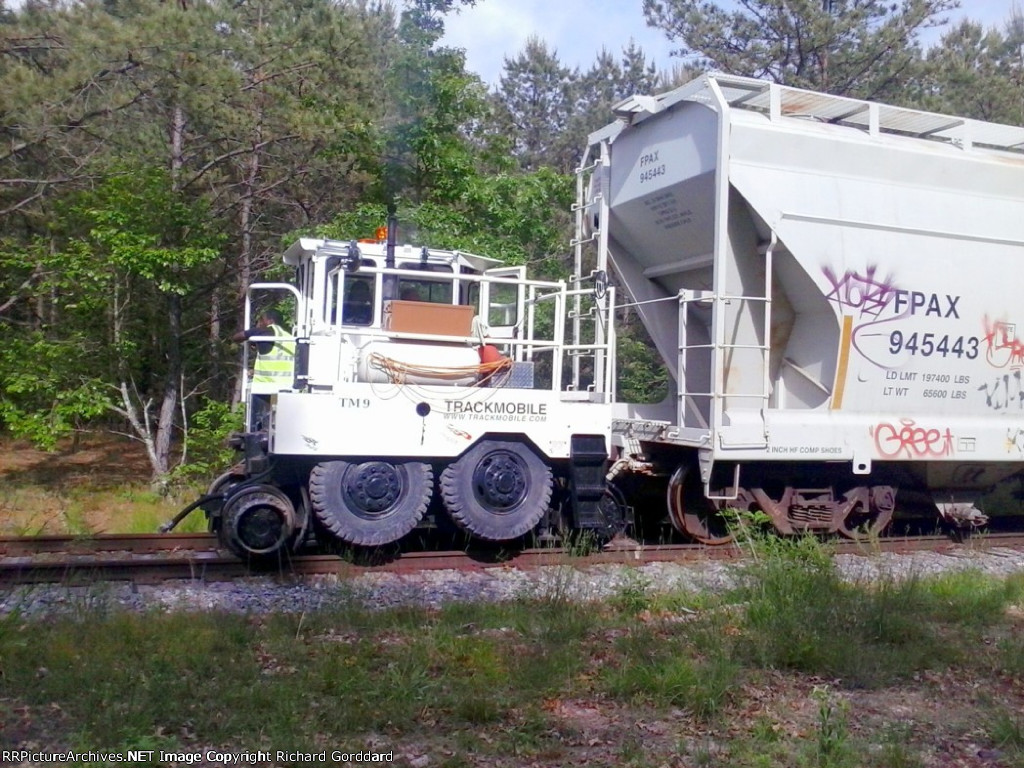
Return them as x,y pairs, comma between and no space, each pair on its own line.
414,315
374,313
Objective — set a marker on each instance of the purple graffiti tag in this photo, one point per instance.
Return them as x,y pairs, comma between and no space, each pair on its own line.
865,296
865,293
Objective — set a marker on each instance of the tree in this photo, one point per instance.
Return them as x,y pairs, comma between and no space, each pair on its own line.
535,101
251,109
607,82
863,48
978,73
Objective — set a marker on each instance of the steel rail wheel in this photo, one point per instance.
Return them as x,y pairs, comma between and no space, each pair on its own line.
614,512
862,524
221,487
498,490
257,522
691,514
372,503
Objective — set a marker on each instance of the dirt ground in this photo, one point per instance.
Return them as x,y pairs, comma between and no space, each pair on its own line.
99,485
97,463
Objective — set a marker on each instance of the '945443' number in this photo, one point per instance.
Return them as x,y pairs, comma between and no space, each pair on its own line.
652,173
928,344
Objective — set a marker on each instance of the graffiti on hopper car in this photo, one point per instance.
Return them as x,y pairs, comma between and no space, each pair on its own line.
907,440
1015,440
1002,347
1005,392
867,293
885,332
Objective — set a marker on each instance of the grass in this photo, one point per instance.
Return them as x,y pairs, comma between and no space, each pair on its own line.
64,492
793,668
30,511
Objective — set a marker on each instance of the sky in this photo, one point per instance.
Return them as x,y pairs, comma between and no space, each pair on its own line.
577,29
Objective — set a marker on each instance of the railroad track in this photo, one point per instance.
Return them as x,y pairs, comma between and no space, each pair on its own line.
151,558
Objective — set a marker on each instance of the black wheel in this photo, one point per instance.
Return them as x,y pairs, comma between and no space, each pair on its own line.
220,487
372,503
224,483
498,490
257,522
614,512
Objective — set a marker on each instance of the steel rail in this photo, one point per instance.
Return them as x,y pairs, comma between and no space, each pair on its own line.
27,546
134,563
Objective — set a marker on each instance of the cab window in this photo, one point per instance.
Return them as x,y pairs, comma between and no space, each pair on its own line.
358,300
424,290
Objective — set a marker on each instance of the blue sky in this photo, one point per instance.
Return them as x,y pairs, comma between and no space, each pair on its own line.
577,29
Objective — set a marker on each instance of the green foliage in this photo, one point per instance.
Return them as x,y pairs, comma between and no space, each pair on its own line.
48,388
978,73
122,248
846,47
139,225
151,143
207,450
642,376
1007,731
799,614
633,595
536,104
665,672
967,598
897,750
831,746
506,217
537,679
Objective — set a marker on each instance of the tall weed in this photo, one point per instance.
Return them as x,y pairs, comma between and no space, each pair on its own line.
799,613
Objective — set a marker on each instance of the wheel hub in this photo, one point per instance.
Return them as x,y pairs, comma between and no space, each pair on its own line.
374,487
260,528
500,481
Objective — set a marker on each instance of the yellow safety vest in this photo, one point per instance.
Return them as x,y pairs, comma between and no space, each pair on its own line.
274,370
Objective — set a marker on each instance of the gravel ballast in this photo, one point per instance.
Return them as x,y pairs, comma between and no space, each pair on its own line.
433,589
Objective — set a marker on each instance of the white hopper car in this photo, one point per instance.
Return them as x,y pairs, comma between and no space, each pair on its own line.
832,284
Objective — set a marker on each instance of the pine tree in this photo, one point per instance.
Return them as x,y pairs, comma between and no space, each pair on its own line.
535,102
863,48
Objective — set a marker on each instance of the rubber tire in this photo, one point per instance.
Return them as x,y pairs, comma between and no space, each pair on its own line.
470,513
326,484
